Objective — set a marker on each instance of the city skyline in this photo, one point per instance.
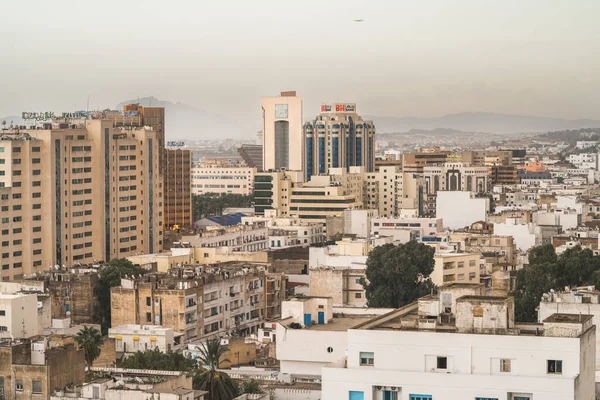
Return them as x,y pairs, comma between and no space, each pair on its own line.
402,60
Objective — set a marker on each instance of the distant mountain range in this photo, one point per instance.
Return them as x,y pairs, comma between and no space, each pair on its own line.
188,122
481,122
184,121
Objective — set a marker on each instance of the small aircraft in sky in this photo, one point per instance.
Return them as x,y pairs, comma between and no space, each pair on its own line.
358,20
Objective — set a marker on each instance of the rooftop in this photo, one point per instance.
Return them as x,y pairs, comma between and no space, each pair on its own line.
339,324
568,318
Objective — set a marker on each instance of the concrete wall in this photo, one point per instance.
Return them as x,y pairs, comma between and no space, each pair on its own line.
458,209
401,359
305,351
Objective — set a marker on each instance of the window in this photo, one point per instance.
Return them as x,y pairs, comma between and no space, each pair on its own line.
19,386
36,387
367,358
357,295
148,303
389,395
442,362
420,397
2,313
148,317
554,367
505,365
356,395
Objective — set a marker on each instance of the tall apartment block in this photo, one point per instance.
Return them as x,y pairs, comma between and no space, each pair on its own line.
153,117
282,132
77,192
338,138
178,188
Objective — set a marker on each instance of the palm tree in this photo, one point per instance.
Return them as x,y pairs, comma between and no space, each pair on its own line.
89,339
219,385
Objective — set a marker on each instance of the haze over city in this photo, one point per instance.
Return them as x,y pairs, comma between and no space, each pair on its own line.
536,58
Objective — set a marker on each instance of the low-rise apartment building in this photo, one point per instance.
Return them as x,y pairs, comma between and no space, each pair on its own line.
336,271
18,316
131,338
196,301
33,370
171,301
237,238
462,345
223,178
456,267
422,227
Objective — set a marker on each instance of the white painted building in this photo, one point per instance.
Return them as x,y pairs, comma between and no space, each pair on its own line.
130,338
584,161
292,231
586,144
222,179
238,238
19,316
358,222
394,227
585,301
464,346
525,236
304,347
460,209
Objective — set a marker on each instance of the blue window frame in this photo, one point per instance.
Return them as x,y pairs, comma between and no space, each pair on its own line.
420,397
521,398
357,395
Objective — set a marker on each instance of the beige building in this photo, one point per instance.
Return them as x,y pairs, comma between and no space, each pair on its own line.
77,192
455,176
498,251
169,301
389,190
312,201
195,301
223,178
282,132
456,267
338,138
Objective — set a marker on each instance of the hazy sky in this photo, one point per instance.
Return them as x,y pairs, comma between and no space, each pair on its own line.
408,58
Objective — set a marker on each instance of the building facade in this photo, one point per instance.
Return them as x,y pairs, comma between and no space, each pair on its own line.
78,192
455,177
282,132
178,188
338,138
457,345
222,178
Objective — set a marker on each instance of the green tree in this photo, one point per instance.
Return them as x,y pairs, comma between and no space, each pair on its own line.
155,359
219,385
398,275
208,204
546,270
89,340
251,387
110,276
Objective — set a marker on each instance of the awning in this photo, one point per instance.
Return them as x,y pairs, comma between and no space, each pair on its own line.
153,339
119,337
136,338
